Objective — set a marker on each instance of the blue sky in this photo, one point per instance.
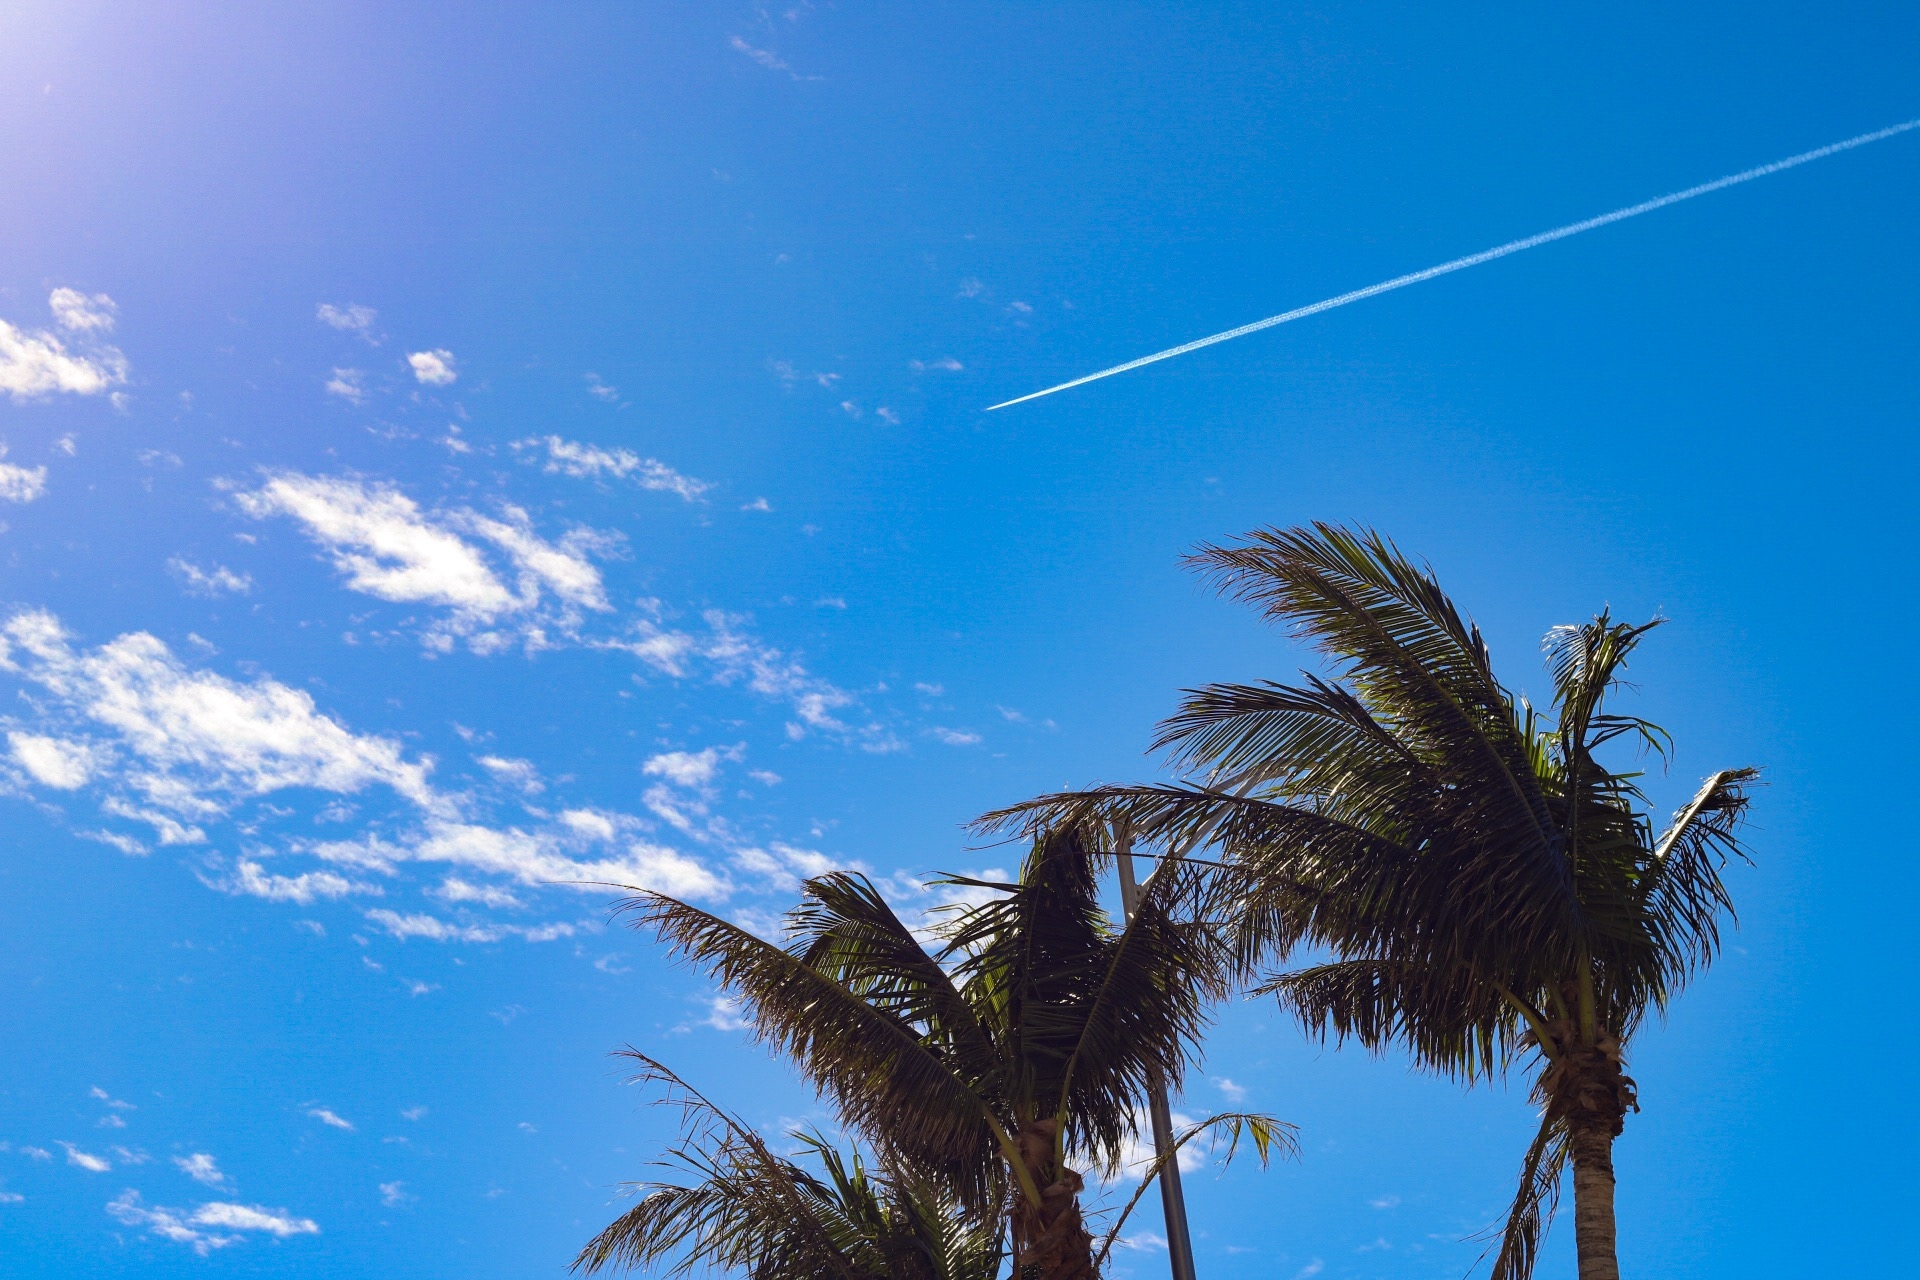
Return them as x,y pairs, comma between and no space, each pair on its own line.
457,449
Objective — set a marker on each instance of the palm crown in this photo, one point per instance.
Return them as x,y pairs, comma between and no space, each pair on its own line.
748,1209
1023,1046
1472,866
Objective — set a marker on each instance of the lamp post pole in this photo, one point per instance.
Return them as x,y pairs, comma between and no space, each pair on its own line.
1173,1200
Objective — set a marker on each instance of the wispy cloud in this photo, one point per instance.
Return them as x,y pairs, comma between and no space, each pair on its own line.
211,1226
86,1160
766,58
217,581
436,368
354,319
388,547
20,484
348,384
591,462
730,655
330,1119
185,745
35,363
203,1169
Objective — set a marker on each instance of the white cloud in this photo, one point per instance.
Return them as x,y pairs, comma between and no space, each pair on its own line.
687,768
1384,1202
249,879
945,364
381,540
516,773
419,925
84,1160
394,1194
328,1118
11,1197
733,656
544,856
209,1227
591,462
20,484
203,1169
758,504
77,313
63,766
454,889
194,741
1143,1240
388,547
955,737
600,390
723,1014
1137,1155
887,416
1312,1269
218,580
434,368
37,362
244,1217
348,384
348,319
765,57
1234,1092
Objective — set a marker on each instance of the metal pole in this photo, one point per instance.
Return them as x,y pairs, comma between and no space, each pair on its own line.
1173,1200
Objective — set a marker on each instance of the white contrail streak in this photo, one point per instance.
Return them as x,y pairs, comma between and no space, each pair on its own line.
1475,259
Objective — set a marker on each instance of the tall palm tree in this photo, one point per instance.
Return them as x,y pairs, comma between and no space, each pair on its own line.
1487,886
1020,1049
748,1210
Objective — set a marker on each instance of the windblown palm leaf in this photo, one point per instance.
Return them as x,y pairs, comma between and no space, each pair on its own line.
747,1210
1473,867
1023,1047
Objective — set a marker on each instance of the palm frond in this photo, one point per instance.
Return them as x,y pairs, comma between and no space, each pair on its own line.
1402,646
1453,1022
1267,1134
884,1079
748,1210
1534,1203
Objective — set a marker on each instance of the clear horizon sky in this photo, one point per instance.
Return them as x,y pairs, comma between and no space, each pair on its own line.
456,453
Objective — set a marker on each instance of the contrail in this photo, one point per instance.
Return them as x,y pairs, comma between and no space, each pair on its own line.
1475,259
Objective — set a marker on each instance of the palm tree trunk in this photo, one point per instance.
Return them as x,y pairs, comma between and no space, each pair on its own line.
1593,1225
1050,1239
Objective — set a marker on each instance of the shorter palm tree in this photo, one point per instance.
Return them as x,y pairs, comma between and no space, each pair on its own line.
748,1210
1025,1046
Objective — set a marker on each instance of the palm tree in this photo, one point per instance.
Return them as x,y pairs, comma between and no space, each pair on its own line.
1486,885
749,1210
1024,1046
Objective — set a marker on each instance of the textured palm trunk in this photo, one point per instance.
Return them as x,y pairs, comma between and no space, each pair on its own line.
1050,1240
1588,1087
1593,1227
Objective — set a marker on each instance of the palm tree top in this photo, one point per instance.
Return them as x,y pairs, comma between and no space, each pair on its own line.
1410,814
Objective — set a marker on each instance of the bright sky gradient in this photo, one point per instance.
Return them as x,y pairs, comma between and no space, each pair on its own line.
455,451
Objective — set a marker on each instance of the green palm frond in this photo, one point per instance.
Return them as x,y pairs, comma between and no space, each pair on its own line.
741,1208
1091,1015
1534,1203
876,1066
747,1210
1403,648
1267,1134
